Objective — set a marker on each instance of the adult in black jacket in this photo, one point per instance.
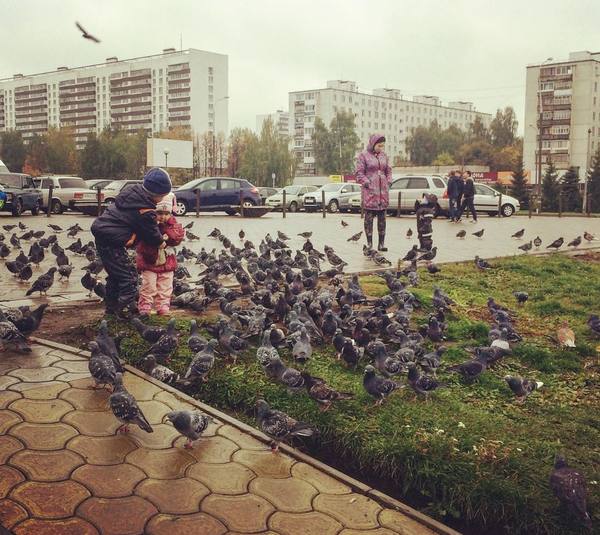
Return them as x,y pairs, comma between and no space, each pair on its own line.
455,190
131,218
468,197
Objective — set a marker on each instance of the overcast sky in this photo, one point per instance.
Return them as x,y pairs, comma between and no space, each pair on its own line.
472,50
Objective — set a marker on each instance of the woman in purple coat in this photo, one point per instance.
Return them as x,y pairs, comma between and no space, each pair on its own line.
374,174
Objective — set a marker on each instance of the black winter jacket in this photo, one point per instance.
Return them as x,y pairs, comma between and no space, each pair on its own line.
131,218
455,187
469,189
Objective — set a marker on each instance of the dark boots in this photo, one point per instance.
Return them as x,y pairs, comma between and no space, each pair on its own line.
381,246
370,242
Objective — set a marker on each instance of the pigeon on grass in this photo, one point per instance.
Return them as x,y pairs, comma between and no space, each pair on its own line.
278,425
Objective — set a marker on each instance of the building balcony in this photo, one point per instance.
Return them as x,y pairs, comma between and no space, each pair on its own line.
549,137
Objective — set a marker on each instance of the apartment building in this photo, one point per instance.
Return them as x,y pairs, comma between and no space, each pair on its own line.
281,120
565,94
187,88
384,111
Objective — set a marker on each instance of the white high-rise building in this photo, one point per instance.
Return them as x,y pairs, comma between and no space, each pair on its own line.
187,88
281,120
565,93
384,111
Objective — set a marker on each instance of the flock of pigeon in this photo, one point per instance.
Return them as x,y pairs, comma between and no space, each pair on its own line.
292,300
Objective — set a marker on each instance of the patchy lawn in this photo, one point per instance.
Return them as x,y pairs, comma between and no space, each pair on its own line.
471,456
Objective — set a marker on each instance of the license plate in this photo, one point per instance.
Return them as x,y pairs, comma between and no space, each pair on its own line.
309,201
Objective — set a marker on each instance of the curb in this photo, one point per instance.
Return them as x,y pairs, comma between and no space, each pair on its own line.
355,485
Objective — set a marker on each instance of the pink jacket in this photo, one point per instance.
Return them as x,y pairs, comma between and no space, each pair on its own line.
374,174
147,255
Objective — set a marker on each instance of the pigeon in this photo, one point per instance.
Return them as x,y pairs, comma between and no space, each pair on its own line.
166,344
108,345
593,323
278,425
42,283
412,253
355,237
433,268
4,250
191,236
25,273
11,336
191,424
189,225
305,235
344,224
378,387
158,371
421,384
242,235
8,228
62,259
55,228
321,392
64,272
588,237
537,241
522,387
22,226
88,281
302,350
479,233
429,255
265,352
569,486
289,377
102,367
14,267
409,234
556,244
526,247
351,353
85,34
202,362
470,369
521,297
482,264
431,361
565,335
126,409
196,342
461,234
282,236
575,243
519,234
14,241
30,322
387,365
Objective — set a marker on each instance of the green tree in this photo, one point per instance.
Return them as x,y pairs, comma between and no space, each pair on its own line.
323,148
61,151
550,188
503,127
444,158
347,143
570,189
593,190
90,158
449,140
36,160
239,139
519,188
136,153
422,145
12,150
478,131
475,153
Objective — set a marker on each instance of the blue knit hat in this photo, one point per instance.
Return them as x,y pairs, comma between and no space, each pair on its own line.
157,181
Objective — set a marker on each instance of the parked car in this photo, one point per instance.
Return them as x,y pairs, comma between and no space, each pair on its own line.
98,183
66,189
216,194
21,194
294,197
486,200
337,197
266,192
88,204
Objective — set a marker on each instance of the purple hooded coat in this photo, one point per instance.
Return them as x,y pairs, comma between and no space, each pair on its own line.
374,174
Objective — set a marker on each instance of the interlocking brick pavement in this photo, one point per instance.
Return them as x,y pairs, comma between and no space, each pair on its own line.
64,471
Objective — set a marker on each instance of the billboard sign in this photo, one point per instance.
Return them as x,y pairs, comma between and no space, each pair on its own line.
169,153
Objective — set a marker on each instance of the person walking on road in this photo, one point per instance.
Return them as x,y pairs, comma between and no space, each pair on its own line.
455,190
374,174
468,197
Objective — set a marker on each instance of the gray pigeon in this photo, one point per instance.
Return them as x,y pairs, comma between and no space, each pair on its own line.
302,350
126,409
191,424
11,336
321,392
569,486
266,351
196,342
421,384
289,377
158,371
164,347
201,363
522,387
102,368
387,365
378,387
278,425
149,333
108,345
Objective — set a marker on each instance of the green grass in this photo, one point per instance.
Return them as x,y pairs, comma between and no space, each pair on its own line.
470,454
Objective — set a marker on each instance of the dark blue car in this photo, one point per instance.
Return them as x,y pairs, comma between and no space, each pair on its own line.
19,194
217,194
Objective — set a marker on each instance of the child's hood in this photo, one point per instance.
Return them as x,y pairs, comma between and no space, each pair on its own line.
134,198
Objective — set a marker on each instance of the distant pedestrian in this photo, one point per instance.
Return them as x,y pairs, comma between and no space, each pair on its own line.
424,210
374,174
455,189
468,201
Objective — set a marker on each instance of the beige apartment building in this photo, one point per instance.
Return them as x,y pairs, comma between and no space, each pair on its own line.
565,94
384,111
281,121
186,88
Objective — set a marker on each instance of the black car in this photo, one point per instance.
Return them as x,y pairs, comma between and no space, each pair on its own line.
217,194
21,194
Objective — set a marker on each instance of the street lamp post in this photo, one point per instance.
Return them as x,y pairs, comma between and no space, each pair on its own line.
166,153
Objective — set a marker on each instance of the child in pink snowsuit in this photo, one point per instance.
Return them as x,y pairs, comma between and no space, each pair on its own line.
157,264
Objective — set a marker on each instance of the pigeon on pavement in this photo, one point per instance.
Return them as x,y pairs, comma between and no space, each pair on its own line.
537,241
102,368
461,234
158,371
191,424
519,234
126,409
575,243
11,336
43,283
479,233
526,246
556,244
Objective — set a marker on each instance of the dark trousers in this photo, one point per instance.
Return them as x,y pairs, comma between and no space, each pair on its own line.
369,216
122,279
468,203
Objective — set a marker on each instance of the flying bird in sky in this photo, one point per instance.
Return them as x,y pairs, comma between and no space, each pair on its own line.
85,34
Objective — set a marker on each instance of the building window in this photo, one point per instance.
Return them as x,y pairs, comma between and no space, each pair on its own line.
210,70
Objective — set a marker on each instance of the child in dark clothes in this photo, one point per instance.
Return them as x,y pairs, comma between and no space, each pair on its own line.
131,218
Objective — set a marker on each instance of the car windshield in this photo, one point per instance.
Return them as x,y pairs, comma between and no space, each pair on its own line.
291,190
10,181
115,184
190,185
72,183
331,187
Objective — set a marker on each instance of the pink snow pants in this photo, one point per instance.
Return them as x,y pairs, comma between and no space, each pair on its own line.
156,290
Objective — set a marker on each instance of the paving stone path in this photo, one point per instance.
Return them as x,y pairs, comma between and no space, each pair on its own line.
63,471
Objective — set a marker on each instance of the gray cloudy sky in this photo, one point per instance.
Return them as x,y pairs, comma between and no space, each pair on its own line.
457,49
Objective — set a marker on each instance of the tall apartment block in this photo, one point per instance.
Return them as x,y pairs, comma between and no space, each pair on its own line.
384,111
565,94
186,88
281,120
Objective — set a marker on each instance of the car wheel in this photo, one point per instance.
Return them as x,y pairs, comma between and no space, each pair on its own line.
247,203
37,208
180,209
293,206
333,207
230,212
56,207
17,208
507,210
